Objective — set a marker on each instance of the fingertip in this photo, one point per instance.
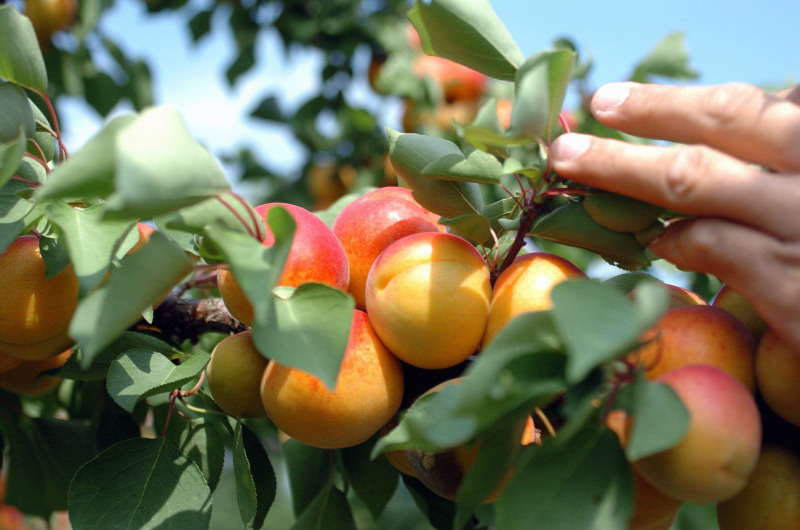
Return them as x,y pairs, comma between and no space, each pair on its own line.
569,146
609,97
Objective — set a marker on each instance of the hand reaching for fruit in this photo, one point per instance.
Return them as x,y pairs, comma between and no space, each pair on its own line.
737,175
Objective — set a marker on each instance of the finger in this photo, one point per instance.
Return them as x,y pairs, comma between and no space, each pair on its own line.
736,118
791,94
693,180
761,268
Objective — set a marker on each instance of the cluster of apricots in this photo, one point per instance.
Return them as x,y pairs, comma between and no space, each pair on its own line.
425,302
35,315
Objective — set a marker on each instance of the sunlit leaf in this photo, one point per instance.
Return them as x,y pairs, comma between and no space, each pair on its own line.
140,483
21,60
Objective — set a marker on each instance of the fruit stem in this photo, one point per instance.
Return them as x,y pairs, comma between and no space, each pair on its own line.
239,216
172,397
62,149
542,416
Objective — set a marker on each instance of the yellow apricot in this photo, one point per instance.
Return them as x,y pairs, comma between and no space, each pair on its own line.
234,376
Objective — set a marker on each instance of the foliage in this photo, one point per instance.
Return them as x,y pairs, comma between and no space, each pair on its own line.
143,443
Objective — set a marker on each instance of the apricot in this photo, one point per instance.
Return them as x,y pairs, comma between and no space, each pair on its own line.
719,452
677,296
50,16
740,307
25,378
699,334
428,296
7,362
525,286
778,376
771,498
458,82
315,256
652,508
36,311
368,225
234,376
367,394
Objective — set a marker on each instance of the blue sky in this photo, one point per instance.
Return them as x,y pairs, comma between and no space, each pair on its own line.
727,41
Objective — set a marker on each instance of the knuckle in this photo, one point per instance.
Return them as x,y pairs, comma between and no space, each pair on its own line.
681,180
726,103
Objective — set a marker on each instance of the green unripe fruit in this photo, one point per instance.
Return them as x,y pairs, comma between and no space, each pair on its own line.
620,213
234,376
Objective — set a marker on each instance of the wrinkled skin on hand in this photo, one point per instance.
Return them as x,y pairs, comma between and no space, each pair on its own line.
734,172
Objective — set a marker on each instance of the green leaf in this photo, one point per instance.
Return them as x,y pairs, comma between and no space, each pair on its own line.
309,472
473,227
138,374
54,254
521,367
539,90
255,479
160,168
89,173
13,211
90,238
411,153
21,60
660,419
439,511
374,481
310,330
597,323
140,483
227,208
141,278
43,454
201,442
445,25
476,166
571,225
16,115
582,482
486,131
668,59
11,154
328,511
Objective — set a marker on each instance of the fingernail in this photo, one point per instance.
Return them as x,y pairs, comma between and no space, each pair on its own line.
609,97
569,147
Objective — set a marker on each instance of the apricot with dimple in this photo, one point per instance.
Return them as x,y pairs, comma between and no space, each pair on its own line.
368,393
428,296
717,455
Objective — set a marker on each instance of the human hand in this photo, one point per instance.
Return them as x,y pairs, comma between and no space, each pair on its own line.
736,171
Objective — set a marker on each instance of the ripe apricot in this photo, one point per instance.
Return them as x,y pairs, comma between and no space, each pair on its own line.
699,334
740,307
367,394
525,287
234,376
778,376
716,457
315,256
25,378
427,296
771,498
36,311
368,225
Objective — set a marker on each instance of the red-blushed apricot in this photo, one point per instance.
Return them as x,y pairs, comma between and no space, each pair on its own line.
367,394
234,376
778,376
717,455
524,287
428,299
36,311
677,296
652,508
699,334
771,498
368,225
25,379
740,307
315,256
